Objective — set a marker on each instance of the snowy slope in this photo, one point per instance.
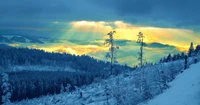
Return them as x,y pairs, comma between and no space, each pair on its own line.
185,89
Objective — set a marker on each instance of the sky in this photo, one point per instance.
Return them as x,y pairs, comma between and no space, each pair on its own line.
81,26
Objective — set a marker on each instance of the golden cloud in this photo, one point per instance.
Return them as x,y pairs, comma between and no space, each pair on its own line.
172,36
76,49
89,30
91,26
14,45
32,46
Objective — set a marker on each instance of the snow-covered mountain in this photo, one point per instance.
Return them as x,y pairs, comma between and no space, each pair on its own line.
19,39
122,89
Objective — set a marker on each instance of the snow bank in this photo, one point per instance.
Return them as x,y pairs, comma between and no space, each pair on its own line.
185,89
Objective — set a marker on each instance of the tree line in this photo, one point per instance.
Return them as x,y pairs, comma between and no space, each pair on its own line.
31,84
191,53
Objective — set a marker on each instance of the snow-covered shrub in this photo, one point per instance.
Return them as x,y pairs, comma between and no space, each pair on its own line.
6,89
198,56
68,87
124,93
145,83
62,88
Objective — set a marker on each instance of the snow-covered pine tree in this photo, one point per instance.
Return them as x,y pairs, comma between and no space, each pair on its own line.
6,89
23,90
68,87
172,71
186,62
144,86
62,88
107,93
182,55
191,50
198,55
163,80
146,93
197,49
158,78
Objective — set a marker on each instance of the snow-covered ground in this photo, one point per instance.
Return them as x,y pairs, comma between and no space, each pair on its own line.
18,68
185,89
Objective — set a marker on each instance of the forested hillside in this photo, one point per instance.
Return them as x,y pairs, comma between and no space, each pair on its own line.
135,87
33,73
28,77
24,56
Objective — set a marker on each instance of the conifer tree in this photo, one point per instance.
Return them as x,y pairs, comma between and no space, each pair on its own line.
144,87
197,49
191,50
112,50
182,55
186,62
141,42
169,58
6,89
62,88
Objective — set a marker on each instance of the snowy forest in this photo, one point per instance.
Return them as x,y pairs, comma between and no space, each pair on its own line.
34,73
31,73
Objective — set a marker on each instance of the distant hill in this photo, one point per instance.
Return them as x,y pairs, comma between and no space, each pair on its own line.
24,56
19,39
3,46
4,40
159,45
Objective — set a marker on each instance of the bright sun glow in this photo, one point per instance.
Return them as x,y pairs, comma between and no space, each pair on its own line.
129,32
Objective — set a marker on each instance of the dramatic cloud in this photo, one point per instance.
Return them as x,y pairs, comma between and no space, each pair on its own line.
80,26
179,13
172,36
165,13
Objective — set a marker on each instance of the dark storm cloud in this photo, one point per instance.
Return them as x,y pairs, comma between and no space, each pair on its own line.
127,7
40,13
49,10
32,8
162,13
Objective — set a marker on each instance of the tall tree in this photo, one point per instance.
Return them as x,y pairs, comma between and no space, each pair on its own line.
144,87
112,50
141,42
191,50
